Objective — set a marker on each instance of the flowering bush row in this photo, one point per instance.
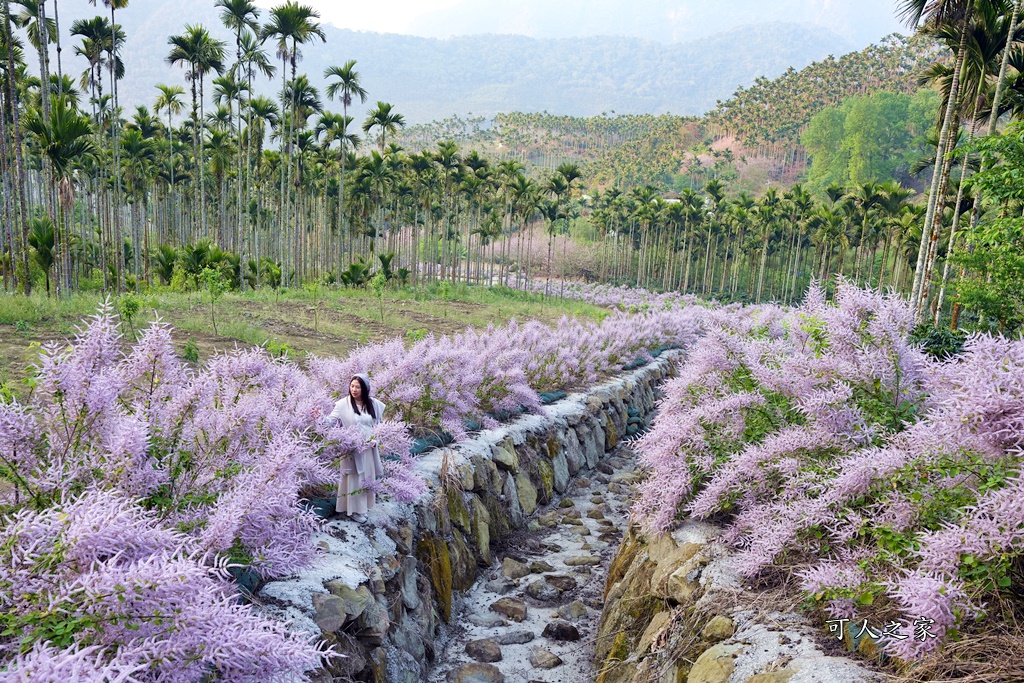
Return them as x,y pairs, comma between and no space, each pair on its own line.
133,484
443,383
631,299
888,481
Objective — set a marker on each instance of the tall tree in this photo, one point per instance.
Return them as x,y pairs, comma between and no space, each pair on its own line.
65,140
202,54
936,13
345,86
290,25
385,120
113,64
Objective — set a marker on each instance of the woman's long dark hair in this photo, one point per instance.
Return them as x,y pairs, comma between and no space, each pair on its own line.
364,394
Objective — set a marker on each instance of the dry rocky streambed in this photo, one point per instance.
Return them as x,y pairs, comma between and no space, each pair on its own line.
519,565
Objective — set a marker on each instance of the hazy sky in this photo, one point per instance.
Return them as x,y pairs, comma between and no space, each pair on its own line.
859,21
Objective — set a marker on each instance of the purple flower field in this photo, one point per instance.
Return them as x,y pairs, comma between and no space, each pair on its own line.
134,484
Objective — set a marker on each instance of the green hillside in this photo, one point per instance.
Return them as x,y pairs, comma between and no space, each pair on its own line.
766,120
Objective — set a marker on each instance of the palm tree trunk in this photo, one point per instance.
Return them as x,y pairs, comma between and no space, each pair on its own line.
954,229
760,275
115,138
25,279
940,154
933,247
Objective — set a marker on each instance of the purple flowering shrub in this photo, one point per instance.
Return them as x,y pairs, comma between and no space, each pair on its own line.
95,587
890,482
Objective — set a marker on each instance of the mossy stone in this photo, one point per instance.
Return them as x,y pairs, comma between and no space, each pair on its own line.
500,523
463,562
528,495
622,561
481,531
457,511
546,489
611,435
433,554
554,446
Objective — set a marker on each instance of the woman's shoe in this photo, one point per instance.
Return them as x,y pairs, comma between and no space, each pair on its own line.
358,518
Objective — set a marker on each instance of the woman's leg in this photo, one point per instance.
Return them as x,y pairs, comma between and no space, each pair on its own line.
346,485
353,496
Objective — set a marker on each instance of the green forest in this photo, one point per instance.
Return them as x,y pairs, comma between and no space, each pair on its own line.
882,166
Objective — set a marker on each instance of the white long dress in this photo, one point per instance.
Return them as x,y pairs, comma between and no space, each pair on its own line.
360,468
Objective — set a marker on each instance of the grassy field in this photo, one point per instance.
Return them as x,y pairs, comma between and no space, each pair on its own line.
323,322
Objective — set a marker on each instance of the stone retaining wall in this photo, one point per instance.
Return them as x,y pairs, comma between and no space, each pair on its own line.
676,611
383,589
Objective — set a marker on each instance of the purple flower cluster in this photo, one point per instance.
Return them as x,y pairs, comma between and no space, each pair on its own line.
827,438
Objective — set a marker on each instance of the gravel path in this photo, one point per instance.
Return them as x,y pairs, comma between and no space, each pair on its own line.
534,614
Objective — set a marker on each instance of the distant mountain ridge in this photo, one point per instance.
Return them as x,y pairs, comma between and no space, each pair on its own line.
429,79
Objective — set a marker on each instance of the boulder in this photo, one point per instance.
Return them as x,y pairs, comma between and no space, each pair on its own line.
486,620
374,623
481,530
559,629
561,582
544,659
515,638
715,665
354,601
548,520
683,584
501,585
457,511
574,456
543,591
514,569
477,673
719,628
560,470
510,496
513,608
574,610
546,486
432,552
329,612
484,650
410,591
660,620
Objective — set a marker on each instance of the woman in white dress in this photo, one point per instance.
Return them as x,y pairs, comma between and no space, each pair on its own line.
359,469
